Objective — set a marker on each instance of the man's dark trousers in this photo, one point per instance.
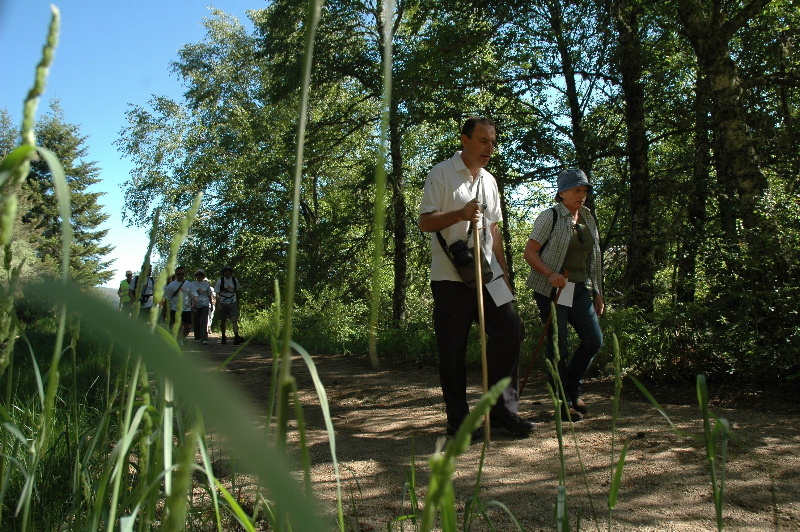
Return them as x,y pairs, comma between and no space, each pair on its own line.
455,310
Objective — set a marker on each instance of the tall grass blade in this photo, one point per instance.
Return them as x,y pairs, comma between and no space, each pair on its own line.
284,388
658,407
238,512
616,481
508,512
208,470
441,496
562,517
326,414
176,501
312,21
616,472
711,436
222,405
64,206
42,71
386,26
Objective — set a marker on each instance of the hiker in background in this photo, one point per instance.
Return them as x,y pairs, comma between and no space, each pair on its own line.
124,293
565,239
145,292
172,295
201,305
227,289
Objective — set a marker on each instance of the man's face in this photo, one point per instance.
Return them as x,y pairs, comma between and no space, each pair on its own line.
180,274
479,148
227,273
129,276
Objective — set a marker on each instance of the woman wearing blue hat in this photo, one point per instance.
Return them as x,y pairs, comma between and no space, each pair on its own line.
564,246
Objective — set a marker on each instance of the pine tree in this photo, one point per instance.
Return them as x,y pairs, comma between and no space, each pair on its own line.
39,210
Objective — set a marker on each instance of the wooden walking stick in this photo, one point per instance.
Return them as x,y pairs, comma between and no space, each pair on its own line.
476,251
542,336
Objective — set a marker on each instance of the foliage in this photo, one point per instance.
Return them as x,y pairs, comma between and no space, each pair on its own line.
38,230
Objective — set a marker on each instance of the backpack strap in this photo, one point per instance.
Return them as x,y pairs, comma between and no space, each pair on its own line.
222,288
552,227
177,290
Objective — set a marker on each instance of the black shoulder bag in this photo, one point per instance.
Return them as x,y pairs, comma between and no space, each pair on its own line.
463,259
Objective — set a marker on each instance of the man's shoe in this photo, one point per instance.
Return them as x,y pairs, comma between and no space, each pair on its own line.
477,434
580,406
570,414
205,342
512,423
224,340
237,340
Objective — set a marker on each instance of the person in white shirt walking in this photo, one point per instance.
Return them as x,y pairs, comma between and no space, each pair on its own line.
227,289
201,305
172,295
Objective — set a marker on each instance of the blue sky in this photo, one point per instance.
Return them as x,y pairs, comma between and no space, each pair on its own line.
110,54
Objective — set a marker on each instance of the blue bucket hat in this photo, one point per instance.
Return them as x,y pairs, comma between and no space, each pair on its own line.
571,178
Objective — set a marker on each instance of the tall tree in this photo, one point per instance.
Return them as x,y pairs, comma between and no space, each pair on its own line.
641,266
39,211
737,164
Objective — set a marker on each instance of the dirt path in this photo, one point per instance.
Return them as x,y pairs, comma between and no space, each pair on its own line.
388,419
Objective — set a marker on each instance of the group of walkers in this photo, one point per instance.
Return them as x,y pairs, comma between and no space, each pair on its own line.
192,304
461,199
461,205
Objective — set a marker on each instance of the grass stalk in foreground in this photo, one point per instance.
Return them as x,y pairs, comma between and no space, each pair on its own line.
385,23
285,379
715,439
440,497
616,471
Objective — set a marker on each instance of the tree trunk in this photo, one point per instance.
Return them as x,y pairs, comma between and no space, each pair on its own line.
685,284
505,228
640,268
738,169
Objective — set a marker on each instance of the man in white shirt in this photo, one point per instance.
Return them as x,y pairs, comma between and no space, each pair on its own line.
461,197
201,305
180,289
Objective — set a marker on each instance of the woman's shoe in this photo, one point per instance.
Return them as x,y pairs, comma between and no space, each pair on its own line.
570,414
580,406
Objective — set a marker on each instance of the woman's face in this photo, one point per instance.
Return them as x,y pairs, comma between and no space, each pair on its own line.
574,198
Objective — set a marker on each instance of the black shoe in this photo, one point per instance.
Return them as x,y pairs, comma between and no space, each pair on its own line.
224,340
512,423
570,414
237,340
580,406
477,434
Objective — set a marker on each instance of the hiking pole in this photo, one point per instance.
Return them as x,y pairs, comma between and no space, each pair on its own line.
476,250
542,336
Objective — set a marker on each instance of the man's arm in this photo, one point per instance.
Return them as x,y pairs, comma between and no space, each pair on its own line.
438,220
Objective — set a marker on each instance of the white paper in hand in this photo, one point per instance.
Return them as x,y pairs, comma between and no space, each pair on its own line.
499,291
567,294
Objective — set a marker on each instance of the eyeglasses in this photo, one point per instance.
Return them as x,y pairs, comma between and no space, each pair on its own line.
579,231
180,273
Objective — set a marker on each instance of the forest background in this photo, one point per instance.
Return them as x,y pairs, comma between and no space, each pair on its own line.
684,114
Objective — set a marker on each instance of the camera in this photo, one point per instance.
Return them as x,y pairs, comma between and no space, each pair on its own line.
462,255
